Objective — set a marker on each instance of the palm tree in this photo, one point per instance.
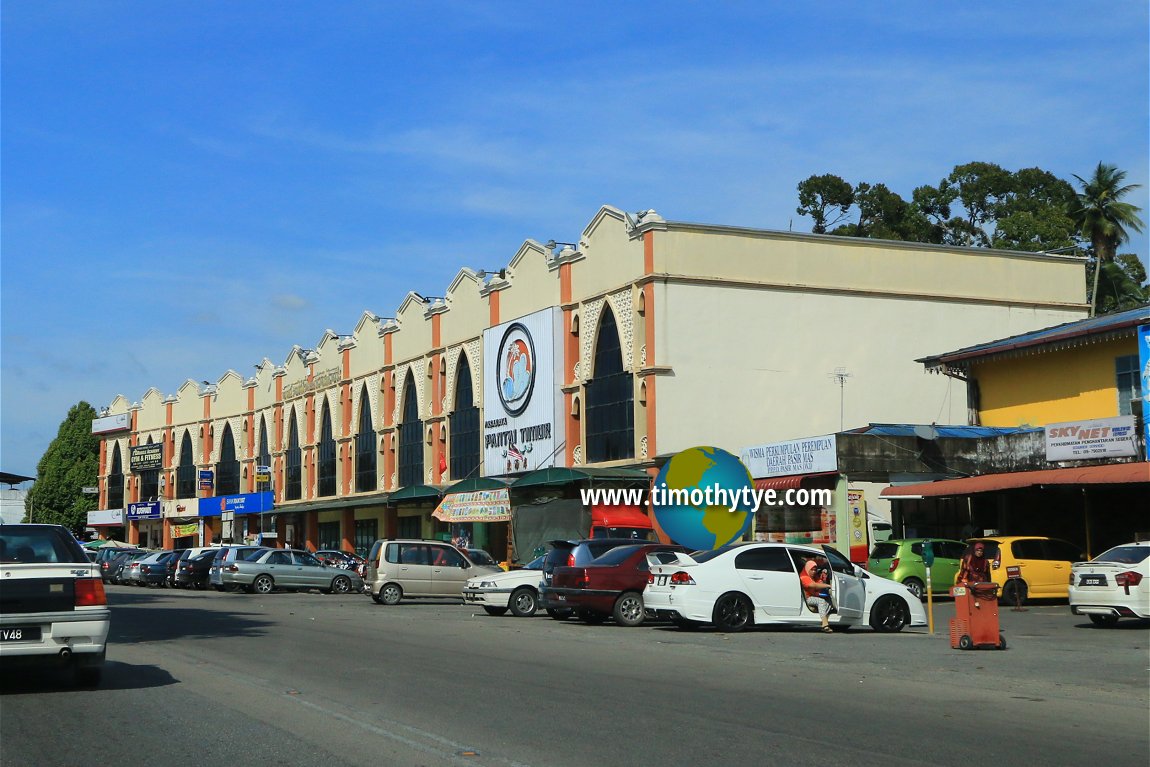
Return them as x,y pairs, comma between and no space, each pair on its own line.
1102,217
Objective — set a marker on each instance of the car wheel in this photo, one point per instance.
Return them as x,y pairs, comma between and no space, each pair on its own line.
390,594
1001,642
1103,621
732,613
1015,592
629,609
889,615
558,615
523,602
263,584
341,584
494,610
916,587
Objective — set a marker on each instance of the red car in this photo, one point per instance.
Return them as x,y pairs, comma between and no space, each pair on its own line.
610,586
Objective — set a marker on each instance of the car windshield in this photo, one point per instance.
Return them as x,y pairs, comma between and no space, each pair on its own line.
616,555
884,551
481,557
1125,555
534,564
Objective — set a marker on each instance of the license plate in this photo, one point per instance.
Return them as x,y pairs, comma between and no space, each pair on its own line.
1092,580
20,634
660,580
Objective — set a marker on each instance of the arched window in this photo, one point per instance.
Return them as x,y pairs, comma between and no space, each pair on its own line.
463,424
228,469
186,473
610,406
149,482
410,437
293,484
326,468
116,481
365,454
265,456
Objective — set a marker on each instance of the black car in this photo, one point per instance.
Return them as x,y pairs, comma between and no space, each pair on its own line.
573,554
116,566
107,557
195,571
156,573
178,556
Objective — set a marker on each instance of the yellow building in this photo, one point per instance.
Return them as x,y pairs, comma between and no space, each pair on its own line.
1071,372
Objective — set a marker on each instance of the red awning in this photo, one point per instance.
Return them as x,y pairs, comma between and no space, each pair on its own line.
618,516
788,483
1110,474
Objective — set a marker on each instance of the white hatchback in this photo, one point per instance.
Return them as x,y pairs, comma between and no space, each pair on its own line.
743,584
1113,585
514,590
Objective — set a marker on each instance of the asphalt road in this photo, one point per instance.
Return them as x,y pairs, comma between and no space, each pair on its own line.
311,679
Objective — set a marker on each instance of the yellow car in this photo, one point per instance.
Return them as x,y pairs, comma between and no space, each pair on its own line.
1041,566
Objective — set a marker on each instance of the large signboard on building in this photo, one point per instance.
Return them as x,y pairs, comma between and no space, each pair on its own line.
812,455
106,518
144,510
145,458
523,424
111,423
248,503
1097,438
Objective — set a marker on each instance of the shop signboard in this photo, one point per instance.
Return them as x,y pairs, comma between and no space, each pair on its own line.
207,479
145,457
111,423
523,405
183,531
248,503
144,510
106,517
477,506
811,455
1095,438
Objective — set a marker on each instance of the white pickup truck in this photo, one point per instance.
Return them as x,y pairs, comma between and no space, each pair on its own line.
53,609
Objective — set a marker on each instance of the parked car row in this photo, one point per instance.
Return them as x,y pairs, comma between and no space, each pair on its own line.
632,582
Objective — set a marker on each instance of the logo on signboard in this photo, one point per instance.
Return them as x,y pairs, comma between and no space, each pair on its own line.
515,369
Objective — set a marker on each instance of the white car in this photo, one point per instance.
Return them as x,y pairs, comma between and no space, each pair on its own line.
514,590
53,609
1113,585
743,584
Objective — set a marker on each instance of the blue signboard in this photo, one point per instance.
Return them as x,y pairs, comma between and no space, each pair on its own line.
1144,368
250,503
145,510
207,477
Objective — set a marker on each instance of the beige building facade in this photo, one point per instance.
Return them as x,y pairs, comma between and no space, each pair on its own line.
670,335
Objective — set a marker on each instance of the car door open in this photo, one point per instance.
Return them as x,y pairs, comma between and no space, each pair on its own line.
848,591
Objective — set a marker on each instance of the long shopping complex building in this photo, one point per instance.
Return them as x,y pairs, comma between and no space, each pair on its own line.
578,363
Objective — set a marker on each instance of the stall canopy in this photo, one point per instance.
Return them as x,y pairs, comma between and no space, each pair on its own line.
562,475
618,516
1110,474
415,493
788,483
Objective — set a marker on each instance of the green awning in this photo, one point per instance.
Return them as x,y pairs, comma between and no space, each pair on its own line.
477,483
562,475
416,493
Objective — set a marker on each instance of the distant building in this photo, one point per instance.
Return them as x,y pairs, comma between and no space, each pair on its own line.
641,338
12,505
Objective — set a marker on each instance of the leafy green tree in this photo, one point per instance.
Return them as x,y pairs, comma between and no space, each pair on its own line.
822,197
1103,218
1121,285
71,462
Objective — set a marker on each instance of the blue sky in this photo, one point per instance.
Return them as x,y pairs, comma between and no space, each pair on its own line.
189,187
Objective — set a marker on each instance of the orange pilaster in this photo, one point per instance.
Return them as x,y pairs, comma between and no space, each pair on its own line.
347,530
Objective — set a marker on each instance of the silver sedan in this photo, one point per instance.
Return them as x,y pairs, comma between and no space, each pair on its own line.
291,569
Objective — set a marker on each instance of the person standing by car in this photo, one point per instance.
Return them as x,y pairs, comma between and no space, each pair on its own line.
975,567
816,591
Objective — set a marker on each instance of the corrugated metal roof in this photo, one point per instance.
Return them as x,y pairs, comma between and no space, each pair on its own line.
949,431
1106,323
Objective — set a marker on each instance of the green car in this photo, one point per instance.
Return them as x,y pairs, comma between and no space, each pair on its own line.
901,560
